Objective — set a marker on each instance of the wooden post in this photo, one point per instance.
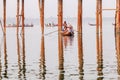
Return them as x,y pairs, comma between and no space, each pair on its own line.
79,16
99,25
97,16
17,22
23,17
117,35
41,9
118,26
100,16
60,14
4,16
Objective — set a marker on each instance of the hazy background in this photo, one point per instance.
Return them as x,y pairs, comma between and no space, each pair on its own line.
51,6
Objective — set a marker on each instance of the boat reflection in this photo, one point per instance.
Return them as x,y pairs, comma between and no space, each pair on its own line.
68,40
99,56
42,60
80,57
60,57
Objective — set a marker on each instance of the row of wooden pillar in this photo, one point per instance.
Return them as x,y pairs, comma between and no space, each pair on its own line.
41,9
60,15
17,16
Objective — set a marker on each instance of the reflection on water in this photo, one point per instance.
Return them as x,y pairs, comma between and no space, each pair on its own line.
61,58
68,40
36,57
99,56
5,58
80,56
21,57
118,52
0,61
42,60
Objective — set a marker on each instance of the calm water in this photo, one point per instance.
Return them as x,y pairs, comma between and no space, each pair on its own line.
53,57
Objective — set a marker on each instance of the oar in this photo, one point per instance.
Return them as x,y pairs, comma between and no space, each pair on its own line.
51,32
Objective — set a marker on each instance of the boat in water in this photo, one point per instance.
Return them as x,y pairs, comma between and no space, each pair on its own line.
14,25
68,31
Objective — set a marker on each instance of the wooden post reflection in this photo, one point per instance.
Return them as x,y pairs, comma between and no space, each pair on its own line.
5,58
80,56
4,16
19,58
118,63
99,37
41,9
1,60
23,17
60,14
99,56
61,58
42,60
23,57
80,16
0,67
18,4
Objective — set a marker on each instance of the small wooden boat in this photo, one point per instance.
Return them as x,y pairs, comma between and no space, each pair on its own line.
67,33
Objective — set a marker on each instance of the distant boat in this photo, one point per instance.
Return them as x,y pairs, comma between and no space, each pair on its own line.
92,24
14,25
51,25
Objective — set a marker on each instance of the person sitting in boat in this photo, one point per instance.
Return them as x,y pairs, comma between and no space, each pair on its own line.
70,28
64,26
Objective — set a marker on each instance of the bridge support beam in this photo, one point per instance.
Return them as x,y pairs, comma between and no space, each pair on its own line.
79,16
4,16
60,14
99,25
41,9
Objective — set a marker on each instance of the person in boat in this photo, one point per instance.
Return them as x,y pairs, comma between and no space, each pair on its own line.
64,26
68,30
